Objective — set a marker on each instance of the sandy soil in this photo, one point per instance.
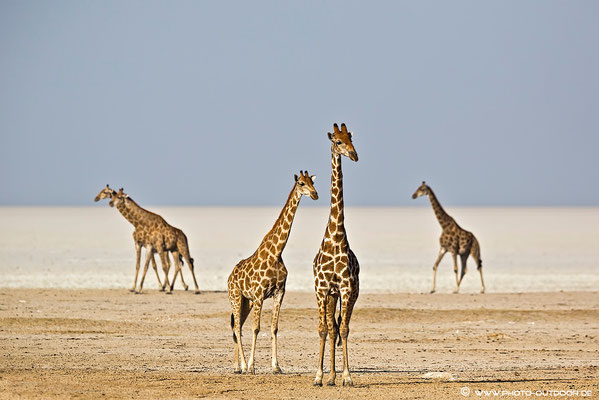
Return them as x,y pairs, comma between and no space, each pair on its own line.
57,343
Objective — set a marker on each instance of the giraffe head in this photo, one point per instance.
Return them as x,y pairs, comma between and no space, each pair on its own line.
342,142
423,190
105,193
118,198
305,185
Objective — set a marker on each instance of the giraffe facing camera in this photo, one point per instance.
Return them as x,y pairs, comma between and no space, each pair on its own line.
336,268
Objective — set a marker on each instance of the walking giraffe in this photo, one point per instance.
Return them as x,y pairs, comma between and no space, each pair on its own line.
156,235
336,268
454,239
263,275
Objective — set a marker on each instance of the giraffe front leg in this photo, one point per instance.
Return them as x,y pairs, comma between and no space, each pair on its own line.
442,252
333,331
455,271
322,332
137,262
149,257
277,301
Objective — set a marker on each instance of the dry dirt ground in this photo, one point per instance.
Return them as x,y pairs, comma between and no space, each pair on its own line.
114,344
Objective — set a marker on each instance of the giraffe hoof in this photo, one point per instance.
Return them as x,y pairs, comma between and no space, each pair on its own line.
331,382
237,371
132,290
317,383
433,291
251,371
169,292
456,291
197,292
186,287
277,370
140,292
162,290
348,382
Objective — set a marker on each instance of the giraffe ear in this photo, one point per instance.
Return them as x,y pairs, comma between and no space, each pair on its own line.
296,178
313,177
351,135
330,135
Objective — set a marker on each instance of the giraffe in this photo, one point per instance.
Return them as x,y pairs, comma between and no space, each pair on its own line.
336,269
263,275
138,237
156,235
162,237
454,239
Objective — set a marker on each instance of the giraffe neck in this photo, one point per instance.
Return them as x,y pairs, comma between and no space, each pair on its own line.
132,211
336,216
444,219
279,233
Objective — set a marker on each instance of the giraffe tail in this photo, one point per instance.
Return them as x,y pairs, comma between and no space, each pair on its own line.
339,324
233,326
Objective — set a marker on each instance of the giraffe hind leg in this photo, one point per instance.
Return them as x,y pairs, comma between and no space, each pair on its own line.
189,262
156,270
245,308
454,254
480,269
257,315
464,259
178,261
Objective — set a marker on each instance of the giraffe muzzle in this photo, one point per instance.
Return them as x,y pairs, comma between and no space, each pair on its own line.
314,196
353,156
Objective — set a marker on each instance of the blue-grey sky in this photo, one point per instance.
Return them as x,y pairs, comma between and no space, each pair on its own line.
219,103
